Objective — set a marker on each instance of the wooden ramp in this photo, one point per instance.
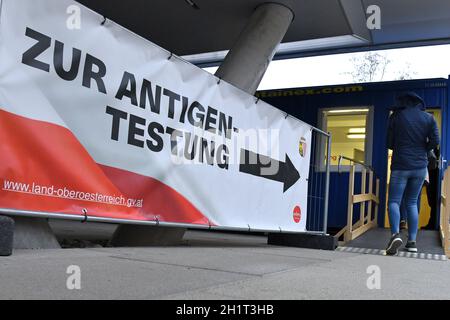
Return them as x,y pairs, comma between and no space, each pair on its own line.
374,241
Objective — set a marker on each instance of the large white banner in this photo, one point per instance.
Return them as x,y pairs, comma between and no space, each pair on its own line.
96,120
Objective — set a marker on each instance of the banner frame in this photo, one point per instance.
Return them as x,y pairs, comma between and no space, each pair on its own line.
83,217
87,218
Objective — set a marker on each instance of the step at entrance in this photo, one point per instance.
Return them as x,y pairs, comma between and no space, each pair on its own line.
374,241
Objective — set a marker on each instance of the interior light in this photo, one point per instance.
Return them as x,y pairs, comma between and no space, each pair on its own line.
348,110
356,136
357,130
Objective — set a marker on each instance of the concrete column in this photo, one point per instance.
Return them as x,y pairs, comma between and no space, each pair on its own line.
245,64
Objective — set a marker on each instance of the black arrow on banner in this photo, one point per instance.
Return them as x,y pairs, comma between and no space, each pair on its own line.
255,164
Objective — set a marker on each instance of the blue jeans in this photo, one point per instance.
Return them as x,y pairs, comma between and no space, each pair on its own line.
404,212
405,184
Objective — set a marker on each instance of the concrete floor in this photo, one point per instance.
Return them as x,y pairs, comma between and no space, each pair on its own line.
218,266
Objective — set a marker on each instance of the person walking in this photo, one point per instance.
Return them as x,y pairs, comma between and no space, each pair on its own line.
411,134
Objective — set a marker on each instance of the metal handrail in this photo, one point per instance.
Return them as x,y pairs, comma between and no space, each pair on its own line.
354,161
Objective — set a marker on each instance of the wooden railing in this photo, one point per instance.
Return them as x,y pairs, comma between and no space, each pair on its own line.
444,226
367,218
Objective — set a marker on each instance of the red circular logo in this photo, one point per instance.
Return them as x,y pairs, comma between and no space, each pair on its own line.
297,214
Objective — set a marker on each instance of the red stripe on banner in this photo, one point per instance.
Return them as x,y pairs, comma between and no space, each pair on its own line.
45,168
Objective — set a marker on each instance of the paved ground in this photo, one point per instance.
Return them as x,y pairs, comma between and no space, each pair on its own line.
218,266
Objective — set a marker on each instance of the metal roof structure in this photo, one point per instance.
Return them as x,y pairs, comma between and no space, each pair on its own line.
203,30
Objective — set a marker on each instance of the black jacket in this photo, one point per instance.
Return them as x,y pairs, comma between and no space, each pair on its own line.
411,133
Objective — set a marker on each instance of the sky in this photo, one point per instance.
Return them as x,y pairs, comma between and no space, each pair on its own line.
423,62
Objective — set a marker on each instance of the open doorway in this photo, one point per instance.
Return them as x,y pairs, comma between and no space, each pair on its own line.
425,207
351,129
